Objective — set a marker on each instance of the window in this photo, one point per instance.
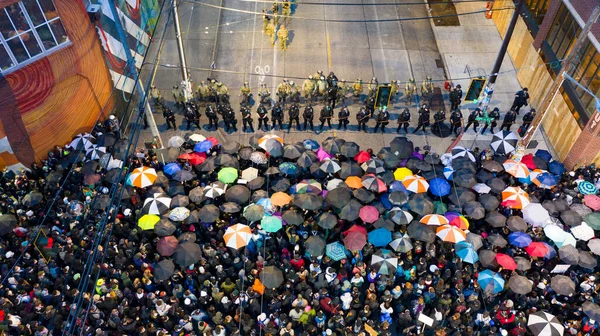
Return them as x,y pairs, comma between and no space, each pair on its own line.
533,14
29,29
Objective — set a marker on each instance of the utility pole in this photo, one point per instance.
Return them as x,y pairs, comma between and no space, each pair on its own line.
132,69
568,66
489,88
186,85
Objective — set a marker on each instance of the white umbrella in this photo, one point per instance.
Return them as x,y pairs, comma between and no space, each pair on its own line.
95,152
197,137
536,215
83,140
114,163
214,190
460,151
504,142
594,246
334,183
482,188
545,324
176,141
157,204
249,174
402,243
583,232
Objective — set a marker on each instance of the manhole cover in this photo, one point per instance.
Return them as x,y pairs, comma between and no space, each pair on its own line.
439,63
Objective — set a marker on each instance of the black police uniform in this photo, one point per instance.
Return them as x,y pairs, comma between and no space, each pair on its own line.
527,119
495,116
521,99
169,117
326,114
308,116
247,118
277,116
332,96
438,121
213,118
472,120
230,121
190,118
455,97
456,121
383,118
343,116
362,117
403,121
263,117
509,119
370,105
294,114
423,120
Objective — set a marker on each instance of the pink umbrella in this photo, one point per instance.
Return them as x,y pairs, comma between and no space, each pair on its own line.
592,202
323,155
368,214
356,228
355,241
166,246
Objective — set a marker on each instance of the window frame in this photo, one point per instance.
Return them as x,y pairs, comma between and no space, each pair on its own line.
33,31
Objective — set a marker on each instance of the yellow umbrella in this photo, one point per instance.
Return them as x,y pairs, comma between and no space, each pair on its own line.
401,173
280,199
147,222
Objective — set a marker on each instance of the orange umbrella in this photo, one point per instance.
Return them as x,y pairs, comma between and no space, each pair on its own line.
258,287
416,184
515,197
354,182
434,220
237,236
280,199
142,177
450,233
516,169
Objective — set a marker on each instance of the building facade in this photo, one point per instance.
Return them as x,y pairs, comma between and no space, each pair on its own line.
542,40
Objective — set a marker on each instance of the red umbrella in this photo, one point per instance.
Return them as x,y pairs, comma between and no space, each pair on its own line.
356,228
368,214
592,202
166,246
355,241
362,157
528,161
194,158
213,140
506,261
537,249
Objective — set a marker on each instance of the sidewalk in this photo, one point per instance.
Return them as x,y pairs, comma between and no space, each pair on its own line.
470,50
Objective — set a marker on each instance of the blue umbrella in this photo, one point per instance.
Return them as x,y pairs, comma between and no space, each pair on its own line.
203,146
551,251
439,187
385,201
311,144
556,168
525,180
288,168
171,168
587,188
547,180
380,237
448,172
519,239
398,186
466,252
490,281
266,204
336,251
544,155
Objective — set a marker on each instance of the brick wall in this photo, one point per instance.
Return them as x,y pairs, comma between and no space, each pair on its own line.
587,145
546,23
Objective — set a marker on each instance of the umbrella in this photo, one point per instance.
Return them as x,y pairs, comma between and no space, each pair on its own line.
519,284
311,144
439,187
421,232
522,264
322,155
95,152
487,258
380,237
583,232
227,160
373,183
592,201
420,204
293,217
591,309
491,282
280,185
209,213
227,175
349,149
460,196
7,223
593,245
373,166
492,166
333,145
82,141
537,249
166,246
32,199
368,214
559,236
402,173
398,197
196,195
556,168
141,177
327,220
179,214
259,158
180,200
545,180
157,204
519,239
474,210
176,141
450,233
194,158
402,147
464,178
489,202
587,260
238,194
350,211
593,220
506,261
272,146
399,216
460,151
164,227
187,253
504,142
195,137
330,166
497,240
466,252
497,185
307,186
587,188
230,207
516,169
416,184
249,174
203,146
271,224
214,189
354,241
147,222
315,246
571,218
335,183
237,236
254,212
163,270
384,262
484,176
101,202
308,201
536,215
230,147
562,285
434,220
482,188
338,197
545,324
336,251
306,159
350,169
288,168
271,277
362,157
543,154
515,197
495,219
171,168
292,152
401,243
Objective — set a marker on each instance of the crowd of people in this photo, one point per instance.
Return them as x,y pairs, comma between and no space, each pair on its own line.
296,239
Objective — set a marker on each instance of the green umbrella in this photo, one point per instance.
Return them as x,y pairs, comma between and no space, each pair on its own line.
228,175
439,208
271,224
593,220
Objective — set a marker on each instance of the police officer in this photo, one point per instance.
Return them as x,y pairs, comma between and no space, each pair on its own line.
472,120
263,118
455,97
395,86
373,86
326,115
190,117
169,117
357,88
332,80
521,99
527,119
230,121
308,87
343,116
294,114
247,118
362,117
245,92
265,94
266,20
272,30
177,96
155,94
308,116
509,119
282,91
383,117
332,96
495,116
423,119
294,92
370,105
277,116
456,119
213,118
223,93
403,120
438,121
202,92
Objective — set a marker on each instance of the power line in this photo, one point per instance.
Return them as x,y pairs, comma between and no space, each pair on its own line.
358,4
352,21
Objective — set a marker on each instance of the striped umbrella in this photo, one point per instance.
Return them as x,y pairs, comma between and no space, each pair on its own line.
95,152
587,188
450,233
336,251
434,220
330,166
237,236
448,172
373,166
545,324
82,141
157,204
308,186
460,151
416,184
400,216
311,144
516,169
515,197
142,177
373,183
504,142
384,262
401,243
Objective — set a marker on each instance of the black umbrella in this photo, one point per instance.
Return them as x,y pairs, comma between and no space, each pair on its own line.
483,176
120,150
549,205
591,309
271,277
180,201
183,175
464,178
587,260
254,212
314,246
398,198
433,159
349,149
474,210
516,223
197,195
363,195
422,232
32,199
487,258
164,227
412,163
230,207
175,188
256,183
351,210
292,152
461,196
155,190
163,270
522,264
208,165
571,218
257,195
209,213
497,185
293,217
230,147
327,220
7,223
390,160
112,176
338,197
55,177
420,204
489,202
193,218
271,171
464,163
423,166
384,223
540,163
227,160
561,205
90,167
350,168
281,184
273,147
402,147
333,145
562,285
492,166
497,240
308,201
254,139
161,180
101,202
187,253
495,219
107,139
245,152
519,284
307,159
238,193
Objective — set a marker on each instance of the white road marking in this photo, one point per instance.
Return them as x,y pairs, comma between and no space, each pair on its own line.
386,78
